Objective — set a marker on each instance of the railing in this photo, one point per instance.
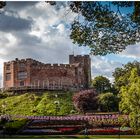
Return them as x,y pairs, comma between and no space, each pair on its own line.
22,88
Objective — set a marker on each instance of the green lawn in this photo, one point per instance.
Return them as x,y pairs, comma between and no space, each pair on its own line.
38,104
73,137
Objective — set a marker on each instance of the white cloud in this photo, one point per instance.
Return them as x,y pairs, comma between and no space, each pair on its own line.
103,66
131,51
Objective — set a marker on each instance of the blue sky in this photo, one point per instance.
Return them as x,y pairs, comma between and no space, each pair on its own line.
40,31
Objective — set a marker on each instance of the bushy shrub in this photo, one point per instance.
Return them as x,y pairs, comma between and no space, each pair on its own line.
85,101
108,102
14,125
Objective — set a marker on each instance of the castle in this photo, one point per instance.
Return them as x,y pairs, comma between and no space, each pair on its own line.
34,74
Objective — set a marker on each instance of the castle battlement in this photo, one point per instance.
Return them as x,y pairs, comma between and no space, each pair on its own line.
54,66
36,63
30,72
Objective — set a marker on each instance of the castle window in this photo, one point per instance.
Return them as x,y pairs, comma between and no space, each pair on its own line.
22,75
21,65
8,76
8,67
21,83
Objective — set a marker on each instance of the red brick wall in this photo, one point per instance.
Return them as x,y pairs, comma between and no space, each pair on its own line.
40,74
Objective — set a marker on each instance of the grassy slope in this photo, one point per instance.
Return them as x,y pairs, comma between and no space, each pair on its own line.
38,104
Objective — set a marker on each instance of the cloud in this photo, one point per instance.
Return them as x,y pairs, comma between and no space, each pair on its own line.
47,41
18,5
132,51
103,66
9,22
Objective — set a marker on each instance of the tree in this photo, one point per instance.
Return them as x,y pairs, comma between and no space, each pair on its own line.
121,75
101,28
108,102
2,4
130,99
86,101
101,84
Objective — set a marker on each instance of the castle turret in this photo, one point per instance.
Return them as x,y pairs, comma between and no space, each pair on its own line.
8,74
85,62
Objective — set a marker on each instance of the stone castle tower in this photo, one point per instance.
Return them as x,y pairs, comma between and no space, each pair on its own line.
34,74
85,62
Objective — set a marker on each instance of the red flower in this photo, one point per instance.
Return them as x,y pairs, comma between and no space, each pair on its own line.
66,129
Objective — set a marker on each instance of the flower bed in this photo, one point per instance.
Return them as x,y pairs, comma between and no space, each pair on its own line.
108,132
41,131
66,129
61,130
69,130
54,126
107,122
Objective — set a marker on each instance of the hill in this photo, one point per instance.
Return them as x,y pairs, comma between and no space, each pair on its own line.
38,104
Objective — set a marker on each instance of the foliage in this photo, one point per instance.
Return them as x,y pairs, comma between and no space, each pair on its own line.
2,4
121,75
14,126
85,101
104,29
108,102
109,131
124,121
101,84
130,99
5,94
36,104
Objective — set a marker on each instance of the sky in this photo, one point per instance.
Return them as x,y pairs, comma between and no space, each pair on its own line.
40,31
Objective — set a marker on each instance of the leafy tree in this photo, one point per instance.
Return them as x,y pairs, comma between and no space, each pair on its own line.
86,101
101,28
2,4
101,84
130,99
121,75
108,102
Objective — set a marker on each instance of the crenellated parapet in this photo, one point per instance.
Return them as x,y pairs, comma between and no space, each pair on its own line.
40,65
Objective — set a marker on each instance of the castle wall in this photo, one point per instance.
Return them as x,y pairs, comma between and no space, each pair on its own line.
52,75
32,73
